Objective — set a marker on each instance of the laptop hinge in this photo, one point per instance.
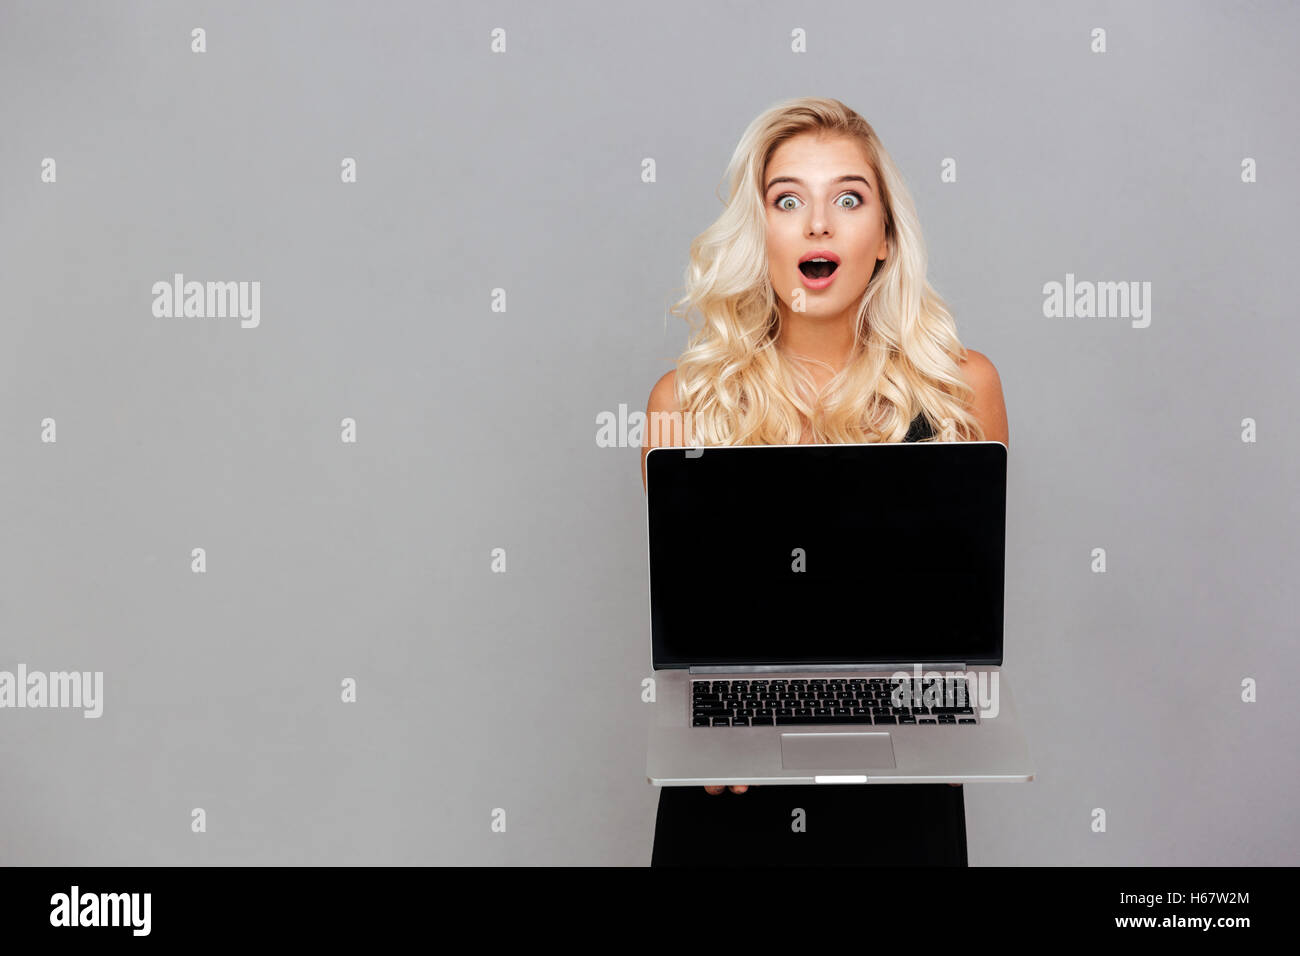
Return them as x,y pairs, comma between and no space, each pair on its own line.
826,668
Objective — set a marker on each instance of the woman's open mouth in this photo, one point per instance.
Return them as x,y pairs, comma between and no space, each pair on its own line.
818,273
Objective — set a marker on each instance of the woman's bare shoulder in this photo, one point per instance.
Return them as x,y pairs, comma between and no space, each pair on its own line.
663,424
663,396
988,403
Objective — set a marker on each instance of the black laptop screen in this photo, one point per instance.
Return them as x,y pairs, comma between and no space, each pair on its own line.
827,554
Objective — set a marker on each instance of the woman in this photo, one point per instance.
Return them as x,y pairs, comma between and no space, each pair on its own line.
818,325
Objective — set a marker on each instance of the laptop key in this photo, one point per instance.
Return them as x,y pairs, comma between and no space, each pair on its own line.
701,722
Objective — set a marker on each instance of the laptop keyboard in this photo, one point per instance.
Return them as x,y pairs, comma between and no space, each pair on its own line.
865,700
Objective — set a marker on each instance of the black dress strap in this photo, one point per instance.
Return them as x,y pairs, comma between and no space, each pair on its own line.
920,429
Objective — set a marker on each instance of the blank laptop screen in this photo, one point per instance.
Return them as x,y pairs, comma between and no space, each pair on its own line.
827,554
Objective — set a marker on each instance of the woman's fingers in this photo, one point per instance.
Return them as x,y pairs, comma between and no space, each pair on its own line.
739,789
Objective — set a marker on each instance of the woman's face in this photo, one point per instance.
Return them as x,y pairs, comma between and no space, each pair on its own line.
821,195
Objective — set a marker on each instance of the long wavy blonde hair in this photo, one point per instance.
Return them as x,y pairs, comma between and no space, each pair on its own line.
735,387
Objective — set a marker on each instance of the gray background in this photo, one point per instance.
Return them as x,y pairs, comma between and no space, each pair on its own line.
477,428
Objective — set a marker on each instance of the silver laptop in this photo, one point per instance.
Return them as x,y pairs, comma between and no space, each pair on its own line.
830,614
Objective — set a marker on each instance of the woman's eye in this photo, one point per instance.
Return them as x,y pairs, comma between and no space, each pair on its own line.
781,201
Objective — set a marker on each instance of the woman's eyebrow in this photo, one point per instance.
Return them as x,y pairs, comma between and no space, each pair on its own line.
791,179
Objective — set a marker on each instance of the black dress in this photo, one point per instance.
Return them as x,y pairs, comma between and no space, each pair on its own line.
905,824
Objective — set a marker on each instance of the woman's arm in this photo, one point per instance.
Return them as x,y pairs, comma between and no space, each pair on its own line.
987,404
661,413
664,427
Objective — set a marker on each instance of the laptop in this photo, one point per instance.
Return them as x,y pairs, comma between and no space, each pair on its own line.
825,614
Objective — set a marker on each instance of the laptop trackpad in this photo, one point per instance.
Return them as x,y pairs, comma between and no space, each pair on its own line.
846,751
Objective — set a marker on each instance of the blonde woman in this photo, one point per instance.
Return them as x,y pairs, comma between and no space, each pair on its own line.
817,324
